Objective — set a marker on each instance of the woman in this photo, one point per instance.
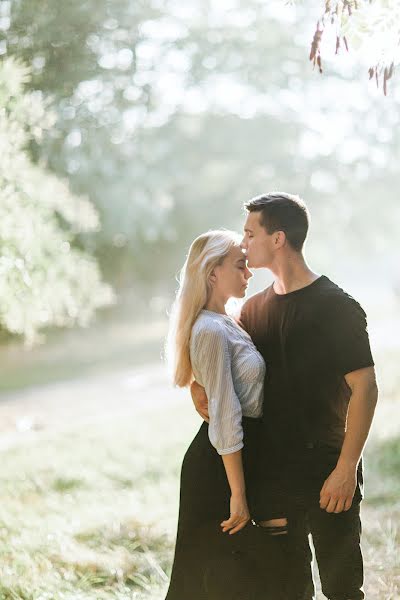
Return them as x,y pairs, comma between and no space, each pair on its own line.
217,558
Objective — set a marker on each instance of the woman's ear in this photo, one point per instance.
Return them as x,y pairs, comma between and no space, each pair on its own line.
212,278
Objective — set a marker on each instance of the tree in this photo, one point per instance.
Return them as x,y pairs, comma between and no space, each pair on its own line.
45,278
170,115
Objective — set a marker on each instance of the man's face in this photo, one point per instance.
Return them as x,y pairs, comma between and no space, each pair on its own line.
257,243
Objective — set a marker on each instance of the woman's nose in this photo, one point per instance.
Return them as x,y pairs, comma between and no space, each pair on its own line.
248,273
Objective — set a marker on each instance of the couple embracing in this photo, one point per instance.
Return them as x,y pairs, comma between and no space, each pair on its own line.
287,392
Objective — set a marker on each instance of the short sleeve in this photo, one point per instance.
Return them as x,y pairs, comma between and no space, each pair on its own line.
346,326
224,408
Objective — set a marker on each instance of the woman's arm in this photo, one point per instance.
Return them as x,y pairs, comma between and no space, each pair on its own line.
212,355
239,510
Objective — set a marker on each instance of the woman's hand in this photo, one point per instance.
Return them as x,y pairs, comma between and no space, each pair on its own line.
240,514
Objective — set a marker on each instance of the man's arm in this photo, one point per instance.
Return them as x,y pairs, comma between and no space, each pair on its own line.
338,490
200,400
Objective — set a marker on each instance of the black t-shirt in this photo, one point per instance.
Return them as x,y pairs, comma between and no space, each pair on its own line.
310,339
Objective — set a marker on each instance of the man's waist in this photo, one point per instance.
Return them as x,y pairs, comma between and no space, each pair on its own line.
302,433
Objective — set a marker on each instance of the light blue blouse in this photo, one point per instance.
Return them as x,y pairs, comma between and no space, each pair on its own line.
226,363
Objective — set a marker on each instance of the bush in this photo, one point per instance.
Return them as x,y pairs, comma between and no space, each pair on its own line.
45,279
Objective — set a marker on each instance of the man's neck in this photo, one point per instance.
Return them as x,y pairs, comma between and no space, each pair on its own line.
292,273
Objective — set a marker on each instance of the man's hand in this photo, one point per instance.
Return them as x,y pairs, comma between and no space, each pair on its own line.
200,400
338,490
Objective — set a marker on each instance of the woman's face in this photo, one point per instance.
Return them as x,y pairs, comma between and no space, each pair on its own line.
230,279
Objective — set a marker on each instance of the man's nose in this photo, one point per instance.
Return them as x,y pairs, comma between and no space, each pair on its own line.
243,244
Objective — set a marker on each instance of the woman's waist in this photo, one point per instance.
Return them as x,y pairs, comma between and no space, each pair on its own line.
248,423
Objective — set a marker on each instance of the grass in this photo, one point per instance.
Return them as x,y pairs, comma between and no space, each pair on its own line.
381,519
88,505
91,513
74,513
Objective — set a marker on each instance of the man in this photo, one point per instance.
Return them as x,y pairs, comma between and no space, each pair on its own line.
320,397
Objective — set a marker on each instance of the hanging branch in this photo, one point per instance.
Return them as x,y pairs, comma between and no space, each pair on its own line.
376,72
315,54
338,12
333,14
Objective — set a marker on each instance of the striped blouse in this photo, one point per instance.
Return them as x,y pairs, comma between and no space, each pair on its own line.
226,363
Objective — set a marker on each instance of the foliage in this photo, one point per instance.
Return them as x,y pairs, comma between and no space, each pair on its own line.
45,279
170,115
371,27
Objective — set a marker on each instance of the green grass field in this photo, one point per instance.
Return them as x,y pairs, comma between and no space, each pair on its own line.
91,451
88,507
88,511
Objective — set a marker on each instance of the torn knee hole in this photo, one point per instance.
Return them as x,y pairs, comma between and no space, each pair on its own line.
275,526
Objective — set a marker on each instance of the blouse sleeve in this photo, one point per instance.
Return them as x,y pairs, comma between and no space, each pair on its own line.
224,408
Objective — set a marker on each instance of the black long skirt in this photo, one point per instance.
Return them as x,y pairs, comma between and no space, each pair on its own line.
210,564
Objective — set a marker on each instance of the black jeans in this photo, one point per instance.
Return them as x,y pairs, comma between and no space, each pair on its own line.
336,537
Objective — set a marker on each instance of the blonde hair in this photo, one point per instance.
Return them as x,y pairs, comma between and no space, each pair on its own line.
206,252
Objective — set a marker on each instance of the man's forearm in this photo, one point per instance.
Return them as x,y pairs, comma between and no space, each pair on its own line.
337,493
359,419
200,400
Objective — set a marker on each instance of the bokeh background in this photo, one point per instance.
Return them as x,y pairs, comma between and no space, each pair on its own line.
126,129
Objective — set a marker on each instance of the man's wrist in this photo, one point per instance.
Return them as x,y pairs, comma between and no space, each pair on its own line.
348,463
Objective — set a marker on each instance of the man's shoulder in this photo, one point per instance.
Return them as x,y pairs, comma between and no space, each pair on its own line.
257,299
333,297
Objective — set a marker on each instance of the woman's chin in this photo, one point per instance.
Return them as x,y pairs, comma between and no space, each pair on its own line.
240,293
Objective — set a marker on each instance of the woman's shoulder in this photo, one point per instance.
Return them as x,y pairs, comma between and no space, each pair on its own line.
209,327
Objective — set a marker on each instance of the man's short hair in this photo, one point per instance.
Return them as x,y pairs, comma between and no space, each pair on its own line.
282,212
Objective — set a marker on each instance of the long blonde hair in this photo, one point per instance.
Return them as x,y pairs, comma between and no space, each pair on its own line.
206,252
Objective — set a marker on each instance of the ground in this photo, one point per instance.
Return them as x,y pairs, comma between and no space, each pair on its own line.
89,482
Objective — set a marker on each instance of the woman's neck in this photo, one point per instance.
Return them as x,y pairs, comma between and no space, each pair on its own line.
216,304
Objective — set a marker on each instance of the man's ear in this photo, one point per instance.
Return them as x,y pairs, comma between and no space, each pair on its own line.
280,239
